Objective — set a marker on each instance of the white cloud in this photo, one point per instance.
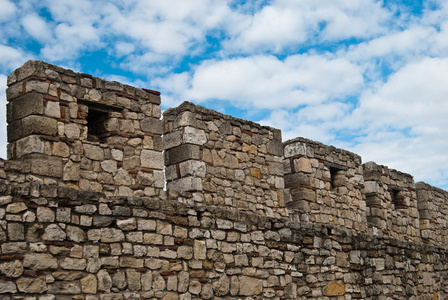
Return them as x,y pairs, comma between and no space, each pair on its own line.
36,27
11,58
285,24
7,11
267,82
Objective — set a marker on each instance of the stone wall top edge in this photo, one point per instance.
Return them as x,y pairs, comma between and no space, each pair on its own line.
319,144
388,171
425,186
189,106
37,68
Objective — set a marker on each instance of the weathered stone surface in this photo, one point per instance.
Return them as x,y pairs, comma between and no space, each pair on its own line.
64,287
40,261
32,285
222,286
73,263
111,235
54,233
250,286
194,136
7,287
334,288
11,269
151,159
76,234
89,284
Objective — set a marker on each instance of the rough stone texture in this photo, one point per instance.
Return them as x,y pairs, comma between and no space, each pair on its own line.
61,114
326,184
225,228
227,158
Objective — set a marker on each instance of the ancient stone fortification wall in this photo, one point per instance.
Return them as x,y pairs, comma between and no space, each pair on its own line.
227,161
83,131
83,213
326,184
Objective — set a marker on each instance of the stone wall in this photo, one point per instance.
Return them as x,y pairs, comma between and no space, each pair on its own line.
326,184
84,131
391,202
83,213
433,212
224,161
61,243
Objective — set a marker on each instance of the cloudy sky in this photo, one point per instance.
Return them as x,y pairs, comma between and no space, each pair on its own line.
364,75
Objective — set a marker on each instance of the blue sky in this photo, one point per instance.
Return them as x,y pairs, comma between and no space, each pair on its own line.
367,76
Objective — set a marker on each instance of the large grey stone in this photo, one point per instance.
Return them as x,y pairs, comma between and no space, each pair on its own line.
32,285
151,159
152,125
40,261
28,104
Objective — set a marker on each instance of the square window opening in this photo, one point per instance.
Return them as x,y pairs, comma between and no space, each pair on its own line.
337,178
96,119
397,197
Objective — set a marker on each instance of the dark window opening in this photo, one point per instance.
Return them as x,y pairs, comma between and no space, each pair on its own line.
398,200
337,174
96,119
337,177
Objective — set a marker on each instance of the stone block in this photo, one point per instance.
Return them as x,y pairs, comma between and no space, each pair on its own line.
46,165
250,286
194,136
182,153
64,287
293,149
152,125
186,118
151,159
275,148
32,285
193,168
40,261
303,194
39,125
334,288
30,68
14,91
7,287
185,184
26,105
172,139
93,152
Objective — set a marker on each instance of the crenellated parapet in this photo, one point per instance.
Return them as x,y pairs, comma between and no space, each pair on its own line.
391,202
326,184
432,205
224,161
83,131
86,213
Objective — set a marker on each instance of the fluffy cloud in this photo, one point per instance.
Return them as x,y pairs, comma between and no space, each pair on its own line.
8,10
36,27
285,24
267,82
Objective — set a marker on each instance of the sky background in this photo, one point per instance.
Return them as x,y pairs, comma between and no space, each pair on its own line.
364,75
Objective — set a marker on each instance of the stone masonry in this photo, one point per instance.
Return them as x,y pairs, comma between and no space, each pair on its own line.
84,213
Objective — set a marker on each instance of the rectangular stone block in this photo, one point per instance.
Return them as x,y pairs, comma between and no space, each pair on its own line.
29,144
172,139
26,105
297,179
182,153
185,184
151,159
152,125
46,165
